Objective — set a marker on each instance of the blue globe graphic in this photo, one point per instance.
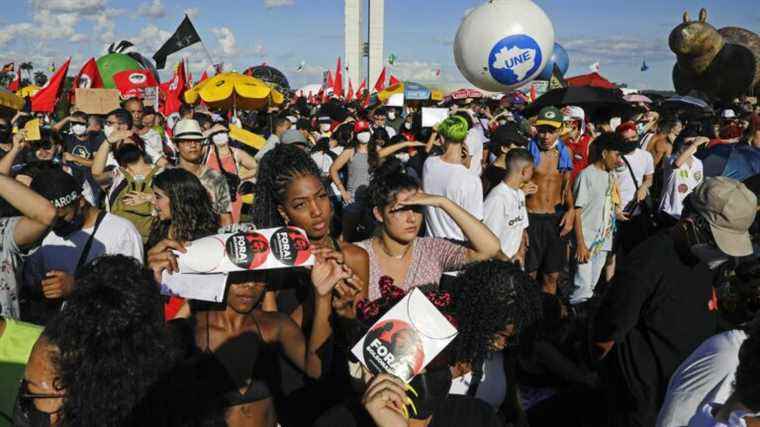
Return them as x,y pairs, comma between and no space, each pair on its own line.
514,59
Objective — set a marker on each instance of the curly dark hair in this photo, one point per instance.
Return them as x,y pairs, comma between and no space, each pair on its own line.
389,180
277,170
747,382
112,341
193,215
491,295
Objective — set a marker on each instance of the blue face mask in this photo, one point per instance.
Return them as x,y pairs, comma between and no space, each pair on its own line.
640,128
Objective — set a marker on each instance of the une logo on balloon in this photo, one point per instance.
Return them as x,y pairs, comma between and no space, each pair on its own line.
514,59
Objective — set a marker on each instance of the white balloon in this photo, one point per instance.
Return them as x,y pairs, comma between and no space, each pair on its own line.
503,44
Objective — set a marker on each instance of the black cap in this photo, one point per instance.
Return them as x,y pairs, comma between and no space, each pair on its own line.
508,134
60,188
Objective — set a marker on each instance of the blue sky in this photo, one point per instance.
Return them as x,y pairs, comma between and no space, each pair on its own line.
618,34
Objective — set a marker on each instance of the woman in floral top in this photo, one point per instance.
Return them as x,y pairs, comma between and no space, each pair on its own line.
397,252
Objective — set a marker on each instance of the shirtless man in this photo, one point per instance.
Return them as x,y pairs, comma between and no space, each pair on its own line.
661,145
553,164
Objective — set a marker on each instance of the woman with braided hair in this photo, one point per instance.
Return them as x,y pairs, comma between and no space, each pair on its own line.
290,191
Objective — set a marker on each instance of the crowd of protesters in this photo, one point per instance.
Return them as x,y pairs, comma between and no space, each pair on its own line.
596,275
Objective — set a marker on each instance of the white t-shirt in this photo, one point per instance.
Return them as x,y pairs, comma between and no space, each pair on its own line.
460,186
679,183
115,236
493,386
706,376
474,141
705,418
506,216
642,163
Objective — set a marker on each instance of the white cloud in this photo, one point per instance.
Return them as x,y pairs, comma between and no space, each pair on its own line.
152,10
415,71
149,39
78,38
269,4
192,12
70,6
226,40
615,50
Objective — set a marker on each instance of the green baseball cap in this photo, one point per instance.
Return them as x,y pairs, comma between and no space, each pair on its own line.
550,116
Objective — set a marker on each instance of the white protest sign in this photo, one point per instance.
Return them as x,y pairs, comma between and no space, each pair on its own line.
250,250
433,116
408,337
203,287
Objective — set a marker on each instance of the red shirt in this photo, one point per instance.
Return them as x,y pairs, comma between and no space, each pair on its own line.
579,148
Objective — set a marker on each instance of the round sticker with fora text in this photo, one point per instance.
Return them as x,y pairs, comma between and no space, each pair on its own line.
290,246
247,250
395,347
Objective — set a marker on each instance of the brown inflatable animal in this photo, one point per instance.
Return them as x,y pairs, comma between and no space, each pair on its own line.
722,63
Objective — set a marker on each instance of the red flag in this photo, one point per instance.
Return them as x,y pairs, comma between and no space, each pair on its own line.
15,85
174,89
350,95
394,81
88,77
338,88
132,83
362,88
380,83
44,101
533,93
204,76
329,80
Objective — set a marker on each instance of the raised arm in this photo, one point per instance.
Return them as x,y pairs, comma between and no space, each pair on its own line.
38,213
485,245
392,149
18,145
99,163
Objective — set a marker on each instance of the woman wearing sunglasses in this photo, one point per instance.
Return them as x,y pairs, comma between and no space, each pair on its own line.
396,251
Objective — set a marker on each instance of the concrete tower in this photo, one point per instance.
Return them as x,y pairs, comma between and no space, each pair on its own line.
354,39
376,34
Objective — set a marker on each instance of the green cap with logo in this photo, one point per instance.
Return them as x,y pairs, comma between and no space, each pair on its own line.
550,116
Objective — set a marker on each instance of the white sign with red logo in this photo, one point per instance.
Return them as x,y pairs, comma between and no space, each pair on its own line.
248,250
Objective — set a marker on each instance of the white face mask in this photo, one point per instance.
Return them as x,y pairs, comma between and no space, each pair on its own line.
292,119
220,138
108,130
78,129
407,126
324,127
363,137
391,115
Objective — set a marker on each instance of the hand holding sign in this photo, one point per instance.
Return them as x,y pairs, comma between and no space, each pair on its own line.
328,271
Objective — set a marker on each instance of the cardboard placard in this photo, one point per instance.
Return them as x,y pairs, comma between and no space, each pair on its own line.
248,250
433,116
32,129
97,101
408,337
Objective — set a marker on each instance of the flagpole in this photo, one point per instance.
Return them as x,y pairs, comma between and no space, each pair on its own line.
208,53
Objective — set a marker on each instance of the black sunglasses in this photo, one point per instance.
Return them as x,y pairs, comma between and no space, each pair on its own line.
24,408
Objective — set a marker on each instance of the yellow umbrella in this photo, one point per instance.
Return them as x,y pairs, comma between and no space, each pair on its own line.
234,91
9,100
28,91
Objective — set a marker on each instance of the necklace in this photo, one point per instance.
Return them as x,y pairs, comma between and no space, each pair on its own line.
385,250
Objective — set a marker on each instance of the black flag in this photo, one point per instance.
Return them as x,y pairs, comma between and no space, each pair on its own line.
182,38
